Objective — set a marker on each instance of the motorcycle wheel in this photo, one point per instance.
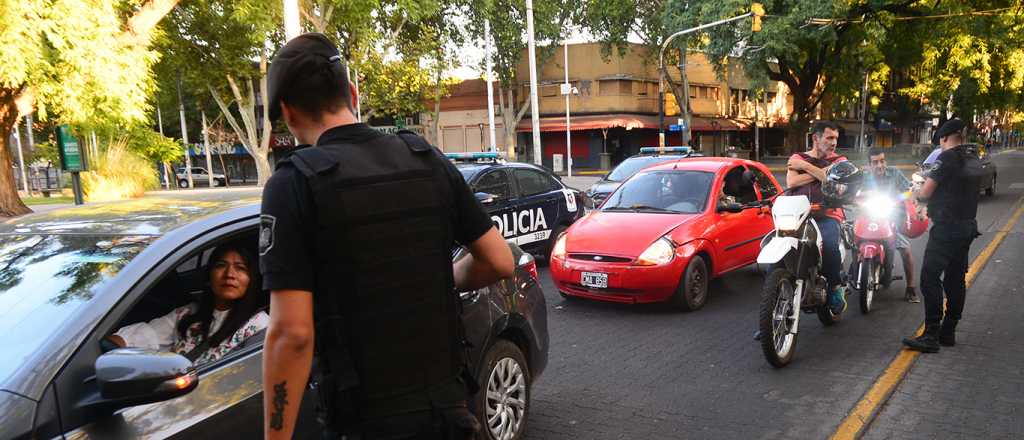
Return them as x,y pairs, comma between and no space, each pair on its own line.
825,314
868,280
776,318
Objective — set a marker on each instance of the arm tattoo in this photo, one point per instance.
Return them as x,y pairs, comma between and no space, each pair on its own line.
280,401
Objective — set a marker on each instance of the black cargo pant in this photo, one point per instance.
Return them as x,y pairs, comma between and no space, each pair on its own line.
945,268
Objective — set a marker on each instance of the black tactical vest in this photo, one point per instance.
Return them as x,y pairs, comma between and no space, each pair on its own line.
389,335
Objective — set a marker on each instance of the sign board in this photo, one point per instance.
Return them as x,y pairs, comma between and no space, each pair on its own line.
675,127
71,158
556,163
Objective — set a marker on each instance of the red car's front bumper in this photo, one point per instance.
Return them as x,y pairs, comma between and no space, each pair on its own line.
627,283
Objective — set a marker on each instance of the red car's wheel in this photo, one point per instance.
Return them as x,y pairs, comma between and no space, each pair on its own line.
692,292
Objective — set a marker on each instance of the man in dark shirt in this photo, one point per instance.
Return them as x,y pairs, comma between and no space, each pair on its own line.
951,190
308,86
891,181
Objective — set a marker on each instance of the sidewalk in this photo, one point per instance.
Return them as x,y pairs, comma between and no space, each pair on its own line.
975,389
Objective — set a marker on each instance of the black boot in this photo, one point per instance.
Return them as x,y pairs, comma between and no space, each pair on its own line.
928,342
947,334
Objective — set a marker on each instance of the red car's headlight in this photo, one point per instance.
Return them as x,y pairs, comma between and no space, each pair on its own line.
660,252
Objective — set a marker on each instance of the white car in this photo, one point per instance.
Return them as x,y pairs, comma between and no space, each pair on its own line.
200,177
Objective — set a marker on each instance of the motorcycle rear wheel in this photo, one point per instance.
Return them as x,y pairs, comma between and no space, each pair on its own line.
776,318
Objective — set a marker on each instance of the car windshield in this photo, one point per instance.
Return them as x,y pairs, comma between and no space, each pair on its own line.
630,166
46,279
663,191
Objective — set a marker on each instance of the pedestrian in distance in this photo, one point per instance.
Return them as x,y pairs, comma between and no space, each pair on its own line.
951,191
360,227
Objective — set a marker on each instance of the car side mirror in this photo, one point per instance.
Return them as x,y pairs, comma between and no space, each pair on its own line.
730,207
133,376
485,198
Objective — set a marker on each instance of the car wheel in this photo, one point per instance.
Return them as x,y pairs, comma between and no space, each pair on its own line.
183,183
503,402
692,292
991,191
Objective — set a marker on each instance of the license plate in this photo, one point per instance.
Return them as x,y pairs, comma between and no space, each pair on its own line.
594,279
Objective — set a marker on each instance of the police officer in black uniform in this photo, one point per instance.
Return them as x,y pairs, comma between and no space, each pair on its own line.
951,190
356,241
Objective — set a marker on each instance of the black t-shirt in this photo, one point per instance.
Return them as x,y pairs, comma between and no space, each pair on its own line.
289,216
956,197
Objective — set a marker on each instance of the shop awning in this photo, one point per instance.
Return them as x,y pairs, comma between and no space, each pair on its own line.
629,122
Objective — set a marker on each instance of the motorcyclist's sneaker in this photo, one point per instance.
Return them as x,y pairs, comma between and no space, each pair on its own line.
837,300
912,296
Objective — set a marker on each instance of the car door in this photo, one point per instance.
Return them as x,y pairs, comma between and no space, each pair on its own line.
496,182
767,190
226,403
538,211
738,234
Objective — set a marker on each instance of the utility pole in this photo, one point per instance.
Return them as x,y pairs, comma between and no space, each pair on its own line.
291,19
32,141
567,90
206,143
184,135
21,162
534,106
757,137
862,143
160,127
490,85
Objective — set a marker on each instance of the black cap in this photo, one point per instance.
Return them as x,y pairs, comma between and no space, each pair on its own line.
303,54
951,126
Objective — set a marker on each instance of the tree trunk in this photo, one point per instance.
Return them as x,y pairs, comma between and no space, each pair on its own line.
510,119
10,202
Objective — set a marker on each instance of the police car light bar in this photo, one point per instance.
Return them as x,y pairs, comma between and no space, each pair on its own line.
663,150
483,156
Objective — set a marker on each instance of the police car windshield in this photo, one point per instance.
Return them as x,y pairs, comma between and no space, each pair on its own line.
630,166
46,280
671,191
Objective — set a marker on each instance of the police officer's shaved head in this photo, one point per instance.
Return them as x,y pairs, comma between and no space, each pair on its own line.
310,75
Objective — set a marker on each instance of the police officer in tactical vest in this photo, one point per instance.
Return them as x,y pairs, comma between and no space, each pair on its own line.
951,190
356,241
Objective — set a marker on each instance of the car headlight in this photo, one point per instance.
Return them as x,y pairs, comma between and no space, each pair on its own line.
878,206
659,252
787,223
558,251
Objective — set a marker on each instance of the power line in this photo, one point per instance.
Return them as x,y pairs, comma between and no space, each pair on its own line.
988,12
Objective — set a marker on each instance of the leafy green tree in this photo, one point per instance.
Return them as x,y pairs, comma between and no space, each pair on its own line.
508,30
76,62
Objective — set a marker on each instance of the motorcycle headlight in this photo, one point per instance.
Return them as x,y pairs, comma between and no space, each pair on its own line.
878,206
659,252
558,251
787,223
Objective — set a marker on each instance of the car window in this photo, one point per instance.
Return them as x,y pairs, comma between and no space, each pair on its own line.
495,182
630,166
764,183
735,186
532,182
46,279
198,171
674,191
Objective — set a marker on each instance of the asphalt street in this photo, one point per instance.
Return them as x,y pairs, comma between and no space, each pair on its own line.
649,372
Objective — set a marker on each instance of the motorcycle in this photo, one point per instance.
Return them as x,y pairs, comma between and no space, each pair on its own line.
874,238
794,282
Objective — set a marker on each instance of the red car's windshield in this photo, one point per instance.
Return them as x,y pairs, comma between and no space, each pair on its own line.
673,191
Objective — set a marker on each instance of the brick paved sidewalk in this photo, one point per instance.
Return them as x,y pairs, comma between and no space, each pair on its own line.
974,390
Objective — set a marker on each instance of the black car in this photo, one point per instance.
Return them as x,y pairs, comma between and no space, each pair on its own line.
990,172
529,205
648,156
70,278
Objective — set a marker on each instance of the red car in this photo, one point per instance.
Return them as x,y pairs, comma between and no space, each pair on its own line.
666,232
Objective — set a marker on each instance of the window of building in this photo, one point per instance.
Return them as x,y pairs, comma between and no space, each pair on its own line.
693,92
549,91
642,88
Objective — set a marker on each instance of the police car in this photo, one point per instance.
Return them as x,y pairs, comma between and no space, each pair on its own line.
530,206
648,156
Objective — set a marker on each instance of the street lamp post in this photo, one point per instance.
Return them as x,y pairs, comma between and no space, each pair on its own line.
534,105
567,90
661,73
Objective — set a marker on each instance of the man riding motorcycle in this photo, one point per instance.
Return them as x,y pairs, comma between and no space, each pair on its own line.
805,175
890,180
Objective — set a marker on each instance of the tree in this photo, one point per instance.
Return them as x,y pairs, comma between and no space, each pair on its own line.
77,62
508,30
813,47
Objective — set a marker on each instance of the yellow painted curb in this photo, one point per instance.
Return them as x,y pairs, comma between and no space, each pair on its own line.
867,408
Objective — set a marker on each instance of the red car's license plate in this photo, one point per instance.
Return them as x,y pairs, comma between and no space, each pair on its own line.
594,279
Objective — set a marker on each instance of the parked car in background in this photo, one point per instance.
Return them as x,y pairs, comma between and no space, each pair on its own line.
200,177
72,277
991,173
648,156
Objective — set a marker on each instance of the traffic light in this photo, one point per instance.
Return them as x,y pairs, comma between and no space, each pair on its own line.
758,11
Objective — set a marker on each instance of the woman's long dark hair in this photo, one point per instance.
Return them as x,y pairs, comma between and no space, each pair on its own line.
242,309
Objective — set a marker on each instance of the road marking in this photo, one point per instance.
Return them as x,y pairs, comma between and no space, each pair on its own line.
868,406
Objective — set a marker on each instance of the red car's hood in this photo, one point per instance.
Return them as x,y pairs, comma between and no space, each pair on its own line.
624,234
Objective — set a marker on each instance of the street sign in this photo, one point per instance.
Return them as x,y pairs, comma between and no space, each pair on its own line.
675,127
71,158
